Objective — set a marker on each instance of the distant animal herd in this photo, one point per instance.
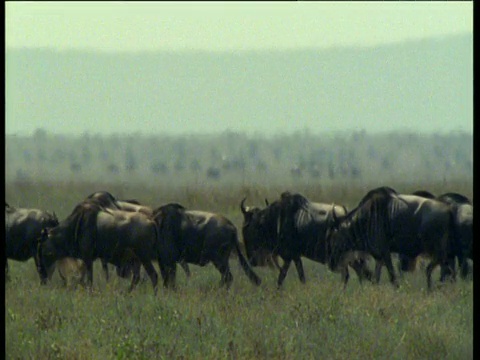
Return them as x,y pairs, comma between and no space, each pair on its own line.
130,236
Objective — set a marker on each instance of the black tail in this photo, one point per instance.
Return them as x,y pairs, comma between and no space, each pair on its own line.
246,266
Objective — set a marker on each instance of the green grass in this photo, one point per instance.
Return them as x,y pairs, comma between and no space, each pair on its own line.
200,321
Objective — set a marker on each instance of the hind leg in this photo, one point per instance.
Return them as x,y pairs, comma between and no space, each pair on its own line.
448,270
89,267
105,268
172,276
136,275
361,269
147,264
345,276
391,271
224,268
164,273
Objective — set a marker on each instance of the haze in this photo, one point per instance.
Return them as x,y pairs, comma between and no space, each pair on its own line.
149,29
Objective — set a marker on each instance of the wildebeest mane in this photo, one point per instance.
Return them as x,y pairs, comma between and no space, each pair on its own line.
168,208
454,198
424,193
132,201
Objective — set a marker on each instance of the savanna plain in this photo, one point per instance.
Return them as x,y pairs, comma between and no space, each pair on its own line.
198,320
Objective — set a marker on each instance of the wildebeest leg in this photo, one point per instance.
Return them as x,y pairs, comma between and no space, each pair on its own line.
464,268
89,266
345,276
391,271
105,268
361,269
448,268
147,264
136,275
185,268
172,275
378,270
301,273
164,273
224,268
283,272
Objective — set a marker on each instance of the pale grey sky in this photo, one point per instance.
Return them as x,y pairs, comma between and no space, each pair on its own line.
231,26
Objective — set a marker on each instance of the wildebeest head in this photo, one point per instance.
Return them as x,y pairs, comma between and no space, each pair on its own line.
46,255
104,199
255,231
454,198
168,216
62,240
336,241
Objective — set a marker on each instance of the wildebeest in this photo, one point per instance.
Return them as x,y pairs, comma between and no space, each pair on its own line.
197,237
260,233
108,201
301,229
22,229
463,234
92,232
463,214
386,222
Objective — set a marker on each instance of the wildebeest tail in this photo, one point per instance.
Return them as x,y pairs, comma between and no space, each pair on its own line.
246,266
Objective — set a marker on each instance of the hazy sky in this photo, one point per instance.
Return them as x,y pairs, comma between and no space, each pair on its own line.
128,26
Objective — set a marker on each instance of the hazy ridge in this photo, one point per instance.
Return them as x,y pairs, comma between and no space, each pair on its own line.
425,86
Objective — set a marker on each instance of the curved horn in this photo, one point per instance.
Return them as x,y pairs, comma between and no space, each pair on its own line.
266,202
334,215
242,206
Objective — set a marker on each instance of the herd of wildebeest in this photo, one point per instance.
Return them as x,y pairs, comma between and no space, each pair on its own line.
130,235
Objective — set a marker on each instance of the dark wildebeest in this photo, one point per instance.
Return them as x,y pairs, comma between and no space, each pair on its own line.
463,213
463,234
197,237
259,232
92,231
107,200
386,222
22,230
302,226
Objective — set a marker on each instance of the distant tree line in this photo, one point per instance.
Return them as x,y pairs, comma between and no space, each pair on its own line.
237,158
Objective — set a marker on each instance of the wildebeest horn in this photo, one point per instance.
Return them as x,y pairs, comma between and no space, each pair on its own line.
242,206
266,202
334,215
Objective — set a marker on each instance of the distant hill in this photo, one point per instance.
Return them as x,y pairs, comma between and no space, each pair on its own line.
426,86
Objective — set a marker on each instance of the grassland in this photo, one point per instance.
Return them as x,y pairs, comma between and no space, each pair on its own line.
200,321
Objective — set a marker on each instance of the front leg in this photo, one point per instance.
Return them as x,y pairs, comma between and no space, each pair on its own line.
378,270
301,273
89,266
387,258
